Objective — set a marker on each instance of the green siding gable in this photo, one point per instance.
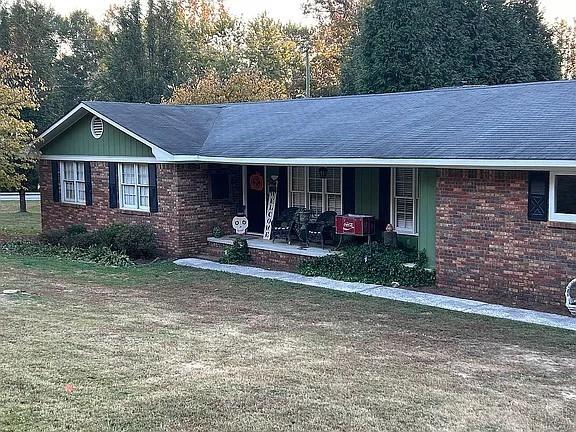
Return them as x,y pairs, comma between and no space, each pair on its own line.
78,140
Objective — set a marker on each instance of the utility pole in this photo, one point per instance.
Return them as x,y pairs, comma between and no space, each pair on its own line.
308,73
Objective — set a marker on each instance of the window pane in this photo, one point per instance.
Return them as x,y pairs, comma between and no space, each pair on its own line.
566,194
81,188
333,180
143,174
335,203
404,182
314,180
69,171
69,193
298,179
80,171
316,203
405,214
298,199
129,195
143,197
128,174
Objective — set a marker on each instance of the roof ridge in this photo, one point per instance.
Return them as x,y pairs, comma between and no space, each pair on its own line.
470,87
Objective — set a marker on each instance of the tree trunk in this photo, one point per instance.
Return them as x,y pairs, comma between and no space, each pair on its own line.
22,194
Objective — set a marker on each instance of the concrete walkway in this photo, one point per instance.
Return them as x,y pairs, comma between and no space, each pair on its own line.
434,300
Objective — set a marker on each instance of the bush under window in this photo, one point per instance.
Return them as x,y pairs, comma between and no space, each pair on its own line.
375,264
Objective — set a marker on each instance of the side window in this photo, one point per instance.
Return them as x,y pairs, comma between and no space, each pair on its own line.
72,182
563,198
134,186
220,186
405,200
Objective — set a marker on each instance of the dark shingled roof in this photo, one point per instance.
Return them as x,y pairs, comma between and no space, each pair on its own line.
522,121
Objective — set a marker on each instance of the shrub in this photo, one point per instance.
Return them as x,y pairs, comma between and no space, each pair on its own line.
374,264
53,237
136,241
74,230
237,253
93,254
217,232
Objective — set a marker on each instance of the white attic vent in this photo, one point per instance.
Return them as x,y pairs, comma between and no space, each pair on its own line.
97,127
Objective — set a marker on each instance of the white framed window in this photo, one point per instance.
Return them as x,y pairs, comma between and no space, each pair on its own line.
72,182
562,199
405,200
134,184
318,189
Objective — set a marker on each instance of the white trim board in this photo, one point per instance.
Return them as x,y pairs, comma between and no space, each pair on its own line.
507,164
81,158
567,166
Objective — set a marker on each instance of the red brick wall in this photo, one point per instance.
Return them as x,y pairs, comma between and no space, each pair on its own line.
262,258
487,249
185,215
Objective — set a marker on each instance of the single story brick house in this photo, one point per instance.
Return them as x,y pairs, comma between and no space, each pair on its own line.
481,178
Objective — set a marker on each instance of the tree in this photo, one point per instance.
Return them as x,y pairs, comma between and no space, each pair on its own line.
565,41
420,44
77,64
271,50
146,57
242,86
123,72
214,38
337,25
17,94
30,30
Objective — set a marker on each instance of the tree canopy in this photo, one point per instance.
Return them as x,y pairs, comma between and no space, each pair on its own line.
420,44
16,134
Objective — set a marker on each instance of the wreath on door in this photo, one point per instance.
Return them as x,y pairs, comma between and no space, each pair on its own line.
257,182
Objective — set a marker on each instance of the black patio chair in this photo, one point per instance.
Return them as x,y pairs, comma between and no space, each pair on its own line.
283,224
323,228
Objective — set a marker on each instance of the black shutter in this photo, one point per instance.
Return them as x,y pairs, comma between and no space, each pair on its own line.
113,184
153,188
384,179
538,196
348,190
88,182
282,198
56,181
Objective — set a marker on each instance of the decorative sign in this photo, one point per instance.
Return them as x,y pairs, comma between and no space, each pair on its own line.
257,182
355,225
240,224
270,215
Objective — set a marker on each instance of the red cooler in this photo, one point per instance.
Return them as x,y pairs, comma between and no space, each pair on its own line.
355,225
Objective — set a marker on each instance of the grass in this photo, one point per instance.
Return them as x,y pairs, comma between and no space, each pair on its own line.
15,224
163,348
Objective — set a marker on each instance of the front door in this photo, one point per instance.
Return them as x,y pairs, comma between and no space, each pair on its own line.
255,198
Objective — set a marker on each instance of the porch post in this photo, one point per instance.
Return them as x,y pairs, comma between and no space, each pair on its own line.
244,187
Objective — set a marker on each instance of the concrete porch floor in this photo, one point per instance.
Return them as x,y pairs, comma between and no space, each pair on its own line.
257,242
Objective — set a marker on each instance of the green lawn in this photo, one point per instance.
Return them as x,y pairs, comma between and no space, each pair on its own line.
161,348
15,224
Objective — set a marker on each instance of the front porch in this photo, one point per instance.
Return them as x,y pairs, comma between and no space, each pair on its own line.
403,197
277,255
256,242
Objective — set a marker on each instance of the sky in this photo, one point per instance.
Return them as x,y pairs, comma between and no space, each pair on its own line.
285,10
